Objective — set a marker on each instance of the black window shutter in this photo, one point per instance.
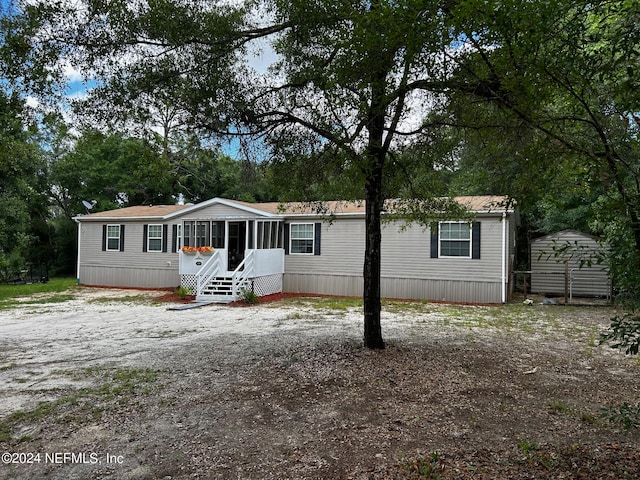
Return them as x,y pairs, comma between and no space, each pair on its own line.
475,240
434,240
122,238
165,240
145,234
316,238
286,239
104,238
174,238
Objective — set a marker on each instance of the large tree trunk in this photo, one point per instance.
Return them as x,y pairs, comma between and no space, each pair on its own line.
375,158
372,259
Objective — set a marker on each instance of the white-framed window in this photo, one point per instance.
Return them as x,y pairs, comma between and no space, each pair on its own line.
113,238
301,238
178,231
154,238
455,239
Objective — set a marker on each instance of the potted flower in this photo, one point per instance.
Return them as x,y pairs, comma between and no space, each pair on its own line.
189,250
205,250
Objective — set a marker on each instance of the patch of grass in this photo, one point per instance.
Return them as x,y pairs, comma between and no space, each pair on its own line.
60,298
535,455
123,299
559,407
5,431
399,306
527,446
54,285
183,291
10,293
113,384
324,303
422,467
249,296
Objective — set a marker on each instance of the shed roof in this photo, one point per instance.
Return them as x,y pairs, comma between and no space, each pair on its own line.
565,233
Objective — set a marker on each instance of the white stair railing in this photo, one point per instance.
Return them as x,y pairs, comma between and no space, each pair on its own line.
243,273
209,270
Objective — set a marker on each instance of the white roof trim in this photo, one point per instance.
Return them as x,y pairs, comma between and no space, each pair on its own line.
222,201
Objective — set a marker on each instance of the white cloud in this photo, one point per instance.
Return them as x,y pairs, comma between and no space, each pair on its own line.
32,102
71,73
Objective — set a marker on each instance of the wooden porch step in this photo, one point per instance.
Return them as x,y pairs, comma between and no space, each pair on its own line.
219,290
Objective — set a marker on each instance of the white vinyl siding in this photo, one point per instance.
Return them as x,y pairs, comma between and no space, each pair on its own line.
128,268
154,238
113,238
407,269
302,238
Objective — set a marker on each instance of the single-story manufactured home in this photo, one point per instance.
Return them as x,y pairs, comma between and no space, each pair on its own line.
219,247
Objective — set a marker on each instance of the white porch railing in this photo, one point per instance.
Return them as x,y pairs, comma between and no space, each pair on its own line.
208,271
214,282
243,273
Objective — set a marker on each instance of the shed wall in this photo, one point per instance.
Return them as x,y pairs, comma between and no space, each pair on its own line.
548,271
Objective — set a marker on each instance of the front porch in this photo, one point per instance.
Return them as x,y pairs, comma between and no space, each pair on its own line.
220,260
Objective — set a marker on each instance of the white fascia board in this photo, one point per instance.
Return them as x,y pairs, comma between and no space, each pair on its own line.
83,218
223,201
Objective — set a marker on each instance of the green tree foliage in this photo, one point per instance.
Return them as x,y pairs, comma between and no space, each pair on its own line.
350,79
112,169
199,173
23,231
555,109
354,80
565,75
347,75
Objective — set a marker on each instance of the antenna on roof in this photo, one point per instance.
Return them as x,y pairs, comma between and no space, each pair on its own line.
88,205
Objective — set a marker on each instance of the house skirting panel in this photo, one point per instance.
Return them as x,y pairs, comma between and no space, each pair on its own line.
403,288
267,285
109,276
261,286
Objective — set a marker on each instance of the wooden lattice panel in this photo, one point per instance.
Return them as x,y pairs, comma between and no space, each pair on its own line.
189,281
267,285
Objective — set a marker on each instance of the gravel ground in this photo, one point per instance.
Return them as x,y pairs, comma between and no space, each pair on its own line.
111,385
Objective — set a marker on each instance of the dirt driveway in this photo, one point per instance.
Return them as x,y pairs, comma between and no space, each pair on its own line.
110,385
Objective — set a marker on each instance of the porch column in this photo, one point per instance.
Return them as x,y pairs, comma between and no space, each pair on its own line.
246,235
255,234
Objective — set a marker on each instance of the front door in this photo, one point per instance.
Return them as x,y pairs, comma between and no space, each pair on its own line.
237,244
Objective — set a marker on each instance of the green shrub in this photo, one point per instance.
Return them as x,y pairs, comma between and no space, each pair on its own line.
623,333
628,416
183,291
249,296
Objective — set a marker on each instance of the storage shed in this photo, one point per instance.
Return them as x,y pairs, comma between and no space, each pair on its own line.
567,261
